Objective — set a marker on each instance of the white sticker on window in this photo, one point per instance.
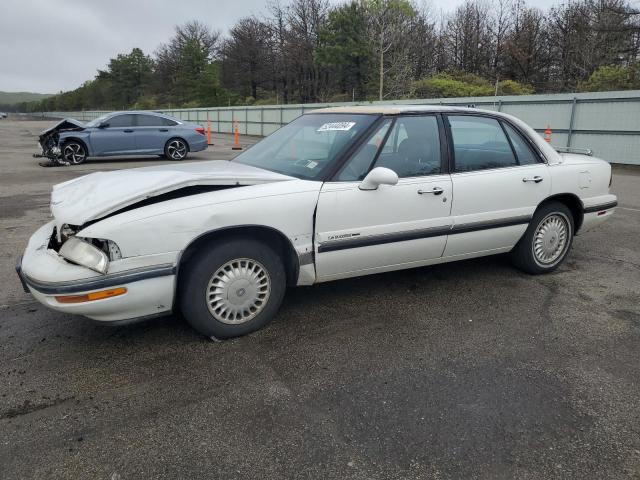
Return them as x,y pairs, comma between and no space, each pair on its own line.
343,126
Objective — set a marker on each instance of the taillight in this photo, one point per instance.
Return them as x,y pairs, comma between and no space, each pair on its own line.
200,130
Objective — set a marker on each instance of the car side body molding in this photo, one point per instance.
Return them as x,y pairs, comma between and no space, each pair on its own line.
357,242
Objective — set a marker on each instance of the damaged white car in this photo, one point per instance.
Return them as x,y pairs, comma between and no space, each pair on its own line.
337,193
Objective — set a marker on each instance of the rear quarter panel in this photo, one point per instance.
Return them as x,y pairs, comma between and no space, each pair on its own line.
584,176
187,131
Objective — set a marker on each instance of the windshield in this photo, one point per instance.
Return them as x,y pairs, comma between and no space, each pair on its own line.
307,146
97,121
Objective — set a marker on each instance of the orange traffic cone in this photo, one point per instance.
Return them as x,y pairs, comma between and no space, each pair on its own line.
236,138
547,134
209,142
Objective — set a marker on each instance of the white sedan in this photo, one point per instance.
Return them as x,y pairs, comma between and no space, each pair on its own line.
337,193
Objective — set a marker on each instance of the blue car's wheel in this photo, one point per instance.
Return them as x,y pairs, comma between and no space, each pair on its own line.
176,149
74,153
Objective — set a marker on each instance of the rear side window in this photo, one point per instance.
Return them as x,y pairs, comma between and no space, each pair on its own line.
150,121
167,122
525,154
479,143
122,121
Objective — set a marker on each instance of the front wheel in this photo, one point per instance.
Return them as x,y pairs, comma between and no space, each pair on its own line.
547,240
233,289
176,149
74,153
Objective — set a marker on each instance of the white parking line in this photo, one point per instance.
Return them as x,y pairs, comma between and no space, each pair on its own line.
632,209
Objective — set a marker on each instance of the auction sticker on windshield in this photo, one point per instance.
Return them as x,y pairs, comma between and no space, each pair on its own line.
342,126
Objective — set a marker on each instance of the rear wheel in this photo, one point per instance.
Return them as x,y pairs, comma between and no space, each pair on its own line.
74,152
233,289
176,149
547,240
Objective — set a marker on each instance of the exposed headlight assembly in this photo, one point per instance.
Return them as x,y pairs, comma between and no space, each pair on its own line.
83,253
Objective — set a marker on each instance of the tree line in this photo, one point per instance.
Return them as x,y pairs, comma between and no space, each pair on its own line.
308,51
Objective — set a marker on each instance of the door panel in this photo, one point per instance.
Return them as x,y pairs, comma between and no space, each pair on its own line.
492,208
377,230
494,195
151,139
118,137
151,134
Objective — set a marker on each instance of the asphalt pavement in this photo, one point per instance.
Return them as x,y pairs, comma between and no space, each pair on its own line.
465,370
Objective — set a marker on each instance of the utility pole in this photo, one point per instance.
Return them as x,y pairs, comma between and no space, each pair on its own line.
381,64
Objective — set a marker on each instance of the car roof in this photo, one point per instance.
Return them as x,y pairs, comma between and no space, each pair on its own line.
139,112
144,112
396,109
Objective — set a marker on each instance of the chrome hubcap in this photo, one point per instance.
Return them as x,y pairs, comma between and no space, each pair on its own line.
177,149
238,291
73,153
551,239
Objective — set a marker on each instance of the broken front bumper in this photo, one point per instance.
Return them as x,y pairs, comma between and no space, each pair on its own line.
47,276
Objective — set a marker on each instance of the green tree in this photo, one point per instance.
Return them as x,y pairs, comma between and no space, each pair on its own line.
511,87
344,50
611,78
462,84
129,75
181,62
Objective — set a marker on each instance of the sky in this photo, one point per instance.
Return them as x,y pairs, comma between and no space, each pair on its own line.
48,46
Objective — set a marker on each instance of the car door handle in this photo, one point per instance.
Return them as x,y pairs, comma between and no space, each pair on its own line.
434,191
536,179
163,129
128,131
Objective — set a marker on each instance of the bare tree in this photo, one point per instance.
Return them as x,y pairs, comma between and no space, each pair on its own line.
388,28
247,56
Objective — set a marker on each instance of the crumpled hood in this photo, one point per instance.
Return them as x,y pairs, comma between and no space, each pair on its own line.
64,124
98,194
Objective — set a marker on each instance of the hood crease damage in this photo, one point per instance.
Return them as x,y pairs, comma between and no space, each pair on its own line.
98,195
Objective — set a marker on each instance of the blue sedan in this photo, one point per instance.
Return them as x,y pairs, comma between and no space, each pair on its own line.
122,133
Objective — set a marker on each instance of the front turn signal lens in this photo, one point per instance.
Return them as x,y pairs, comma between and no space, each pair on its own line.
90,297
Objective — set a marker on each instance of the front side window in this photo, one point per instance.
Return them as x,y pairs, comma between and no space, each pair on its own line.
127,120
359,165
411,149
308,146
479,143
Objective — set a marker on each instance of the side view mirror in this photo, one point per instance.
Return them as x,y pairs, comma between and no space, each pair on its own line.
378,176
103,125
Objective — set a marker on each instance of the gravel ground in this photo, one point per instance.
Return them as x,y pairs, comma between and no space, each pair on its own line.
465,370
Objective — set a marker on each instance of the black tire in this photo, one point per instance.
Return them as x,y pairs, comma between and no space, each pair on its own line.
195,285
551,225
73,152
176,149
